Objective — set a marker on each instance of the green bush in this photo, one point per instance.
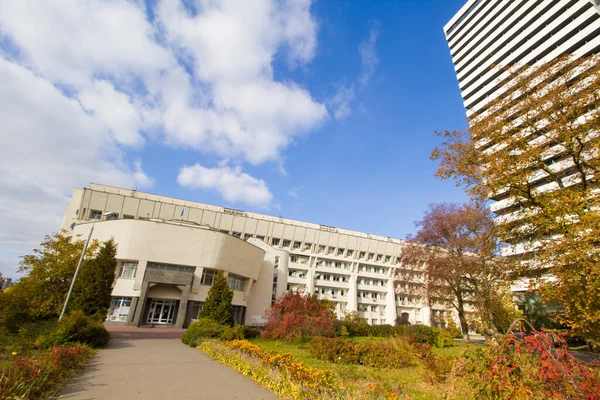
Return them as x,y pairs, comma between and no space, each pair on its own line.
380,330
394,354
77,328
235,333
251,332
204,328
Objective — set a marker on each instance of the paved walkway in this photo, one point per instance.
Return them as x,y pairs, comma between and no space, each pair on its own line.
138,368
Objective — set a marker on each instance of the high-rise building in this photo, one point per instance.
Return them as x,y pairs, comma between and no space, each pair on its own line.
486,35
169,250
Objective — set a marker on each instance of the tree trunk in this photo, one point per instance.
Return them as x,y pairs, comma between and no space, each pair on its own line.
464,326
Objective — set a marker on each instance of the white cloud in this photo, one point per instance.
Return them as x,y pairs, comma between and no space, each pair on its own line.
50,146
84,80
233,184
368,55
341,102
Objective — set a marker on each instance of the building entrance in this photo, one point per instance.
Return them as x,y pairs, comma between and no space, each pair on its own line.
162,311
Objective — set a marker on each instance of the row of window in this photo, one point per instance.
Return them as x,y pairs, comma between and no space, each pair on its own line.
330,291
333,277
371,295
128,270
373,282
366,307
373,269
333,264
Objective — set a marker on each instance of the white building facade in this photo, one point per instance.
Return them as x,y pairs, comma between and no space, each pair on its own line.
486,35
169,250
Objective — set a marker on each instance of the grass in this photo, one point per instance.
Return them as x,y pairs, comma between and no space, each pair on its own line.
411,381
22,342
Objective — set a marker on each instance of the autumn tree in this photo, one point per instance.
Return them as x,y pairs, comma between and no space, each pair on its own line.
456,251
218,302
93,288
297,314
49,270
535,148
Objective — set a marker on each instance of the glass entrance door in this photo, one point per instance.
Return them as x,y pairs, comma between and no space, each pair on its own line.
161,311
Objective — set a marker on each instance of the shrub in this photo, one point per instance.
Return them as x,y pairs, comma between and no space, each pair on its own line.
204,328
395,354
235,333
537,366
251,332
355,325
295,315
432,336
380,330
77,328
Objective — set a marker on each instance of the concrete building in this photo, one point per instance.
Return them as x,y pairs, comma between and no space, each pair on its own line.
170,249
487,34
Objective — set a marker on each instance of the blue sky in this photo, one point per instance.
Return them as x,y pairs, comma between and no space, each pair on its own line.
322,112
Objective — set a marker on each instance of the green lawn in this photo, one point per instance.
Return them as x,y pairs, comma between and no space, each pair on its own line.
411,381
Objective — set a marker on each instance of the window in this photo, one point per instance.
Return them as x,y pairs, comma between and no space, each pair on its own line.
112,216
235,282
321,248
379,257
95,214
128,270
225,231
338,264
275,241
370,257
349,253
297,245
341,252
287,243
125,216
261,238
307,246
208,276
362,254
330,250
237,234
319,263
373,308
119,308
388,258
328,263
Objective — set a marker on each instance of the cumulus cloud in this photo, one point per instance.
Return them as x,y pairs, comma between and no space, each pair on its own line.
233,184
93,79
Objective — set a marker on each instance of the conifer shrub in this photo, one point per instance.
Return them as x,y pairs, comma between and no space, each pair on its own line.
204,328
235,333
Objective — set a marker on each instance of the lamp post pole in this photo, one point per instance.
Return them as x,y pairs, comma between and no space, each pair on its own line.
76,273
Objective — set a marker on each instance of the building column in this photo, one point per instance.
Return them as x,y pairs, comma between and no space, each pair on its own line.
141,304
132,310
182,311
352,304
390,304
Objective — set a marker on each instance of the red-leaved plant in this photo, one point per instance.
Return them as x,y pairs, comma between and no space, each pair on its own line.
297,315
538,366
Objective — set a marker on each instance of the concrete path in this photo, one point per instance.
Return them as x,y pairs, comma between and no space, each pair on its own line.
137,368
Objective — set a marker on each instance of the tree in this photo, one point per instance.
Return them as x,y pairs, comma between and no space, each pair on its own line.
297,314
456,247
50,269
218,303
92,291
537,149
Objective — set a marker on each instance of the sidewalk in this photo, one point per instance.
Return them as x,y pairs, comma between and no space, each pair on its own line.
137,368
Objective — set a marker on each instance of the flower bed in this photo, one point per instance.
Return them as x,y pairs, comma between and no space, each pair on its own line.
279,372
39,378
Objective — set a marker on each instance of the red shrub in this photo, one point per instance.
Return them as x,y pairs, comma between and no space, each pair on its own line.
298,315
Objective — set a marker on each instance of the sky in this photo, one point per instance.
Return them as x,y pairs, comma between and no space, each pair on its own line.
321,111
